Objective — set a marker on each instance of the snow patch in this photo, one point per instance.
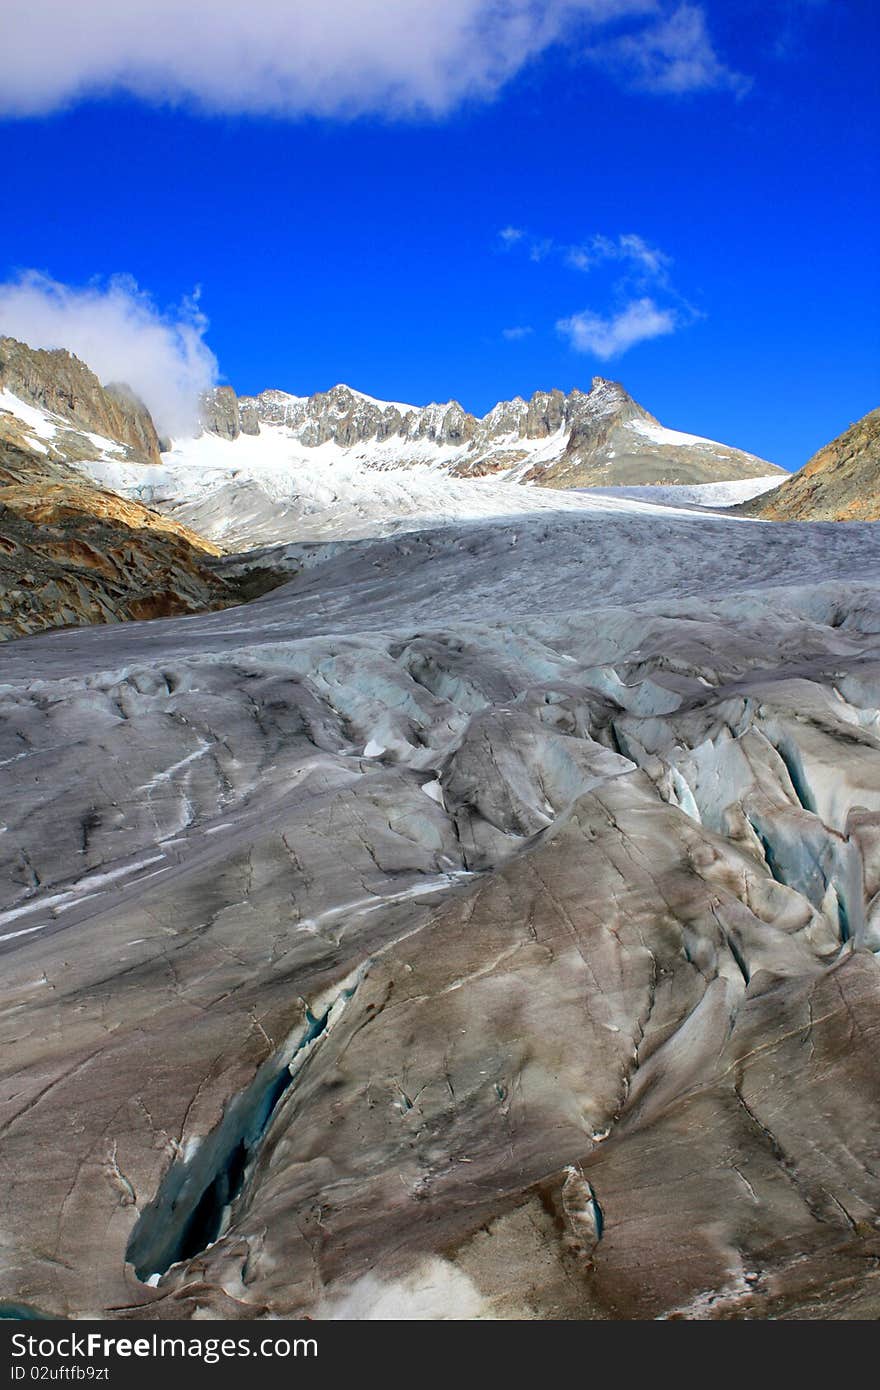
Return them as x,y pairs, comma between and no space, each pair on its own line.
712,495
25,931
38,421
435,791
659,434
435,1291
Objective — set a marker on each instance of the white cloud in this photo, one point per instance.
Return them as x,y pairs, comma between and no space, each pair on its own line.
650,258
517,333
638,268
672,56
117,330
640,320
286,57
580,258
628,247
540,250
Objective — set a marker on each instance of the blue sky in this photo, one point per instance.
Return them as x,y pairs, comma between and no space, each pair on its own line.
526,224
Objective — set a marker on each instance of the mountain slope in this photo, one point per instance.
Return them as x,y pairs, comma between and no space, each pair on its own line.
840,483
340,464
61,385
71,553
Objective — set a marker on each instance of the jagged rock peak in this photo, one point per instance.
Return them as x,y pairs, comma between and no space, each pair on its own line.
221,413
348,416
598,437
54,380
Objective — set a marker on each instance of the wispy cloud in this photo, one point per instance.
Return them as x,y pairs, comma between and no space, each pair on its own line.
340,58
795,26
639,272
517,333
628,250
604,338
118,331
672,56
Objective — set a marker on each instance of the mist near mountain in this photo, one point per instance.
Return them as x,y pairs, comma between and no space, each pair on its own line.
117,328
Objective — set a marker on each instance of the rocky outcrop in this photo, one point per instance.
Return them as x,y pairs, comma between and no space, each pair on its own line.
57,382
72,553
248,418
221,413
840,483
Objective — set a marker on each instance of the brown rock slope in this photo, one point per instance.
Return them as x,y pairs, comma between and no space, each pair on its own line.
840,483
72,554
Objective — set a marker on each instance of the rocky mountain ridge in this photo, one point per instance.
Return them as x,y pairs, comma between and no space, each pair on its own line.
581,439
597,437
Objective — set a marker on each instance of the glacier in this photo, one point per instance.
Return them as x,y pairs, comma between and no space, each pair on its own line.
484,922
567,820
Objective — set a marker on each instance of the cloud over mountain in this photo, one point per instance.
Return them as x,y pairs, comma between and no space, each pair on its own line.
117,329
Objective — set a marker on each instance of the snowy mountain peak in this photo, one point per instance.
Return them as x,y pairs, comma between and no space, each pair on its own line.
597,437
349,416
342,462
344,392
